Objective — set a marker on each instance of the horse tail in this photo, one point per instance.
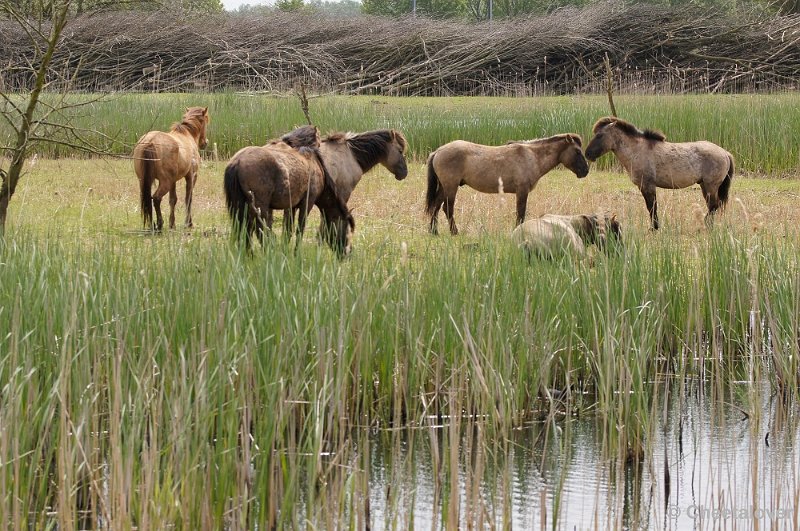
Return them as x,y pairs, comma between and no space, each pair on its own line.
235,198
433,187
725,187
148,167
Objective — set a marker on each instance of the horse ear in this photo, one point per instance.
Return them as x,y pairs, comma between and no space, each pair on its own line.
205,110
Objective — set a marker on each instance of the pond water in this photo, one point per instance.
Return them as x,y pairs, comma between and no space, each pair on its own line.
727,469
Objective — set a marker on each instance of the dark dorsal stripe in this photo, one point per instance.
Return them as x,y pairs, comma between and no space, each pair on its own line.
368,148
629,129
550,140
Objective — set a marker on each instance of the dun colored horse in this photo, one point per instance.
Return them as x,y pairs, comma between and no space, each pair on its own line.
287,174
515,168
348,156
554,236
652,162
168,158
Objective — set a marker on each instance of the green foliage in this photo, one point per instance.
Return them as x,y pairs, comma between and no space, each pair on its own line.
290,5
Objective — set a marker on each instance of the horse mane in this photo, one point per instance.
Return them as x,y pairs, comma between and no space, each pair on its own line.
629,129
304,136
193,121
551,139
368,148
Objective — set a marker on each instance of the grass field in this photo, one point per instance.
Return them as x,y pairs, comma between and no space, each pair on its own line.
172,380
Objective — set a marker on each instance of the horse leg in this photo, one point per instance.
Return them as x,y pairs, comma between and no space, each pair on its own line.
288,223
191,179
522,206
712,202
434,229
449,211
301,223
265,227
173,200
649,194
160,192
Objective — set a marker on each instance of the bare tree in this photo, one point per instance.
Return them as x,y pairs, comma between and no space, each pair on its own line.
19,111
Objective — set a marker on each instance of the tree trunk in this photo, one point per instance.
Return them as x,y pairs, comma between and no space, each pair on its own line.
3,212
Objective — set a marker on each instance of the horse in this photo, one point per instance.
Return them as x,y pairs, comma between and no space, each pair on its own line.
515,167
289,175
348,156
652,162
168,158
553,236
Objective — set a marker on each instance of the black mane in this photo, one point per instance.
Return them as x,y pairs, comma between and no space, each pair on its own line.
367,148
629,129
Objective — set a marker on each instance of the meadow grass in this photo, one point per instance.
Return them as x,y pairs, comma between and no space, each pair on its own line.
760,130
175,380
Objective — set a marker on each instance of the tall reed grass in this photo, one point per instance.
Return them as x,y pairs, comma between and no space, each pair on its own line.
760,130
177,382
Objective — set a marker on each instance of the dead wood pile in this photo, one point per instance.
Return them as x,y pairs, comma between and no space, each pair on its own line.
653,48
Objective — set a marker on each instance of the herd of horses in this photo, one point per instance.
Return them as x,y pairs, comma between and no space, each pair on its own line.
301,170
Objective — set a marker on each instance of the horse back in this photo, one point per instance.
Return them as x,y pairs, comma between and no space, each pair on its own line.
279,176
682,164
483,167
176,155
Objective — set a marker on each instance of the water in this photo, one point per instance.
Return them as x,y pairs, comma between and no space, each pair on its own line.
727,470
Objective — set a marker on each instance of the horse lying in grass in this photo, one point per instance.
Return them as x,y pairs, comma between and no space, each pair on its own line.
652,162
513,168
553,236
286,174
168,158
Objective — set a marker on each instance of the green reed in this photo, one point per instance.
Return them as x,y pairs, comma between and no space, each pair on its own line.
758,129
177,381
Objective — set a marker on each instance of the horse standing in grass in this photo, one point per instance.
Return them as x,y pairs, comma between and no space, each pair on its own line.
515,168
168,158
287,174
652,162
553,236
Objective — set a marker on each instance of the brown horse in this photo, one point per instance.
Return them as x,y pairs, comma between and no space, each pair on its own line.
652,162
168,158
287,174
515,168
554,236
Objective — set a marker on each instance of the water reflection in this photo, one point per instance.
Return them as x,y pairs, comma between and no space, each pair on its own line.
712,465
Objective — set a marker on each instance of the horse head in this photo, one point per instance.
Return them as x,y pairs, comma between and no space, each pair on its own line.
395,160
604,138
572,157
196,119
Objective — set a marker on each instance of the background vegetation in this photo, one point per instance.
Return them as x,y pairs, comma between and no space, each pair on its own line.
652,48
759,130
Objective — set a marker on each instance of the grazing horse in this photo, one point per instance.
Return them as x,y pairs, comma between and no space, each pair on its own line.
553,236
261,179
168,158
652,162
515,168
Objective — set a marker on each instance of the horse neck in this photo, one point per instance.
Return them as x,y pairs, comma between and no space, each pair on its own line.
626,149
343,166
193,131
548,156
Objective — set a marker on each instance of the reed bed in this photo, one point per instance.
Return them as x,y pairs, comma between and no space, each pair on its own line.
759,130
176,381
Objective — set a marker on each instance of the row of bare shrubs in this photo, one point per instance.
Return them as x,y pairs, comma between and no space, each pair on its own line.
652,49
